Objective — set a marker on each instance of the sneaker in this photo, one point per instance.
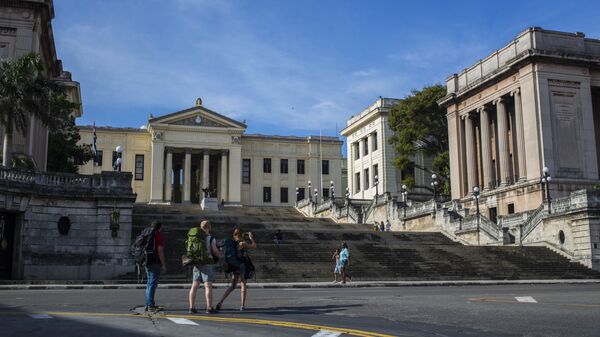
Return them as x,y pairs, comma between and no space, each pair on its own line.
211,311
242,308
153,308
192,311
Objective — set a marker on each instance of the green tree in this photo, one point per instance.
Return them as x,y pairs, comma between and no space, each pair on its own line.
420,124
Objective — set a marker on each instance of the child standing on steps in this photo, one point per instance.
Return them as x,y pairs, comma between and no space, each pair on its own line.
337,271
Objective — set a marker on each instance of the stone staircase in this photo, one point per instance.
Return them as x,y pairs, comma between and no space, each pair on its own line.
308,244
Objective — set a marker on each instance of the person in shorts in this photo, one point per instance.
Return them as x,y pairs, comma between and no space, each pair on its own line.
205,273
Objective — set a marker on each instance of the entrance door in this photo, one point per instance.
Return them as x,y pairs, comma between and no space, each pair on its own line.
7,234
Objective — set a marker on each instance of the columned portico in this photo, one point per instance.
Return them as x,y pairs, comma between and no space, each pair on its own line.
187,176
205,168
169,175
503,141
224,173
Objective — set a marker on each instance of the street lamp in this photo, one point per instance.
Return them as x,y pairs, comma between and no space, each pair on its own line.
332,190
376,183
545,180
404,193
434,184
347,200
309,189
316,196
119,160
476,195
297,195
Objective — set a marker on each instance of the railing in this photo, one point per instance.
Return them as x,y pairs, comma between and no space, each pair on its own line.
532,221
485,225
323,206
57,182
421,208
302,203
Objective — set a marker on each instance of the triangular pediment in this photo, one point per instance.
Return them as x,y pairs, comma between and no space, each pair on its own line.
197,116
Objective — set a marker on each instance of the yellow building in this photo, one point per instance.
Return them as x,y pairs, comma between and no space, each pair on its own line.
177,156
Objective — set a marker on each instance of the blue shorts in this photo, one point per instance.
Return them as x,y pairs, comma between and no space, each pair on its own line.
205,273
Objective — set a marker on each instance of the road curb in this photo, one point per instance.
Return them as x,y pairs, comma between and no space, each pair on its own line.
303,285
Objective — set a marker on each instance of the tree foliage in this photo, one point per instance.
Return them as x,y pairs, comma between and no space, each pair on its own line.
420,124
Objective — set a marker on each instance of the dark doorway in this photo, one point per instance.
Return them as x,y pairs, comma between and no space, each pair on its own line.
596,114
7,235
493,214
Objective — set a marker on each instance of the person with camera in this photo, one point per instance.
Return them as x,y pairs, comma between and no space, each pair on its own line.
244,269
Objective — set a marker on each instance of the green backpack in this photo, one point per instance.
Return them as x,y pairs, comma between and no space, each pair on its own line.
196,247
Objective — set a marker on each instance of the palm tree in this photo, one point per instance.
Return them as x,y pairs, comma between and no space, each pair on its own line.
25,92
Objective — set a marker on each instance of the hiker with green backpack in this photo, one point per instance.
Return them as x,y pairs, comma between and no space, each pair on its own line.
202,253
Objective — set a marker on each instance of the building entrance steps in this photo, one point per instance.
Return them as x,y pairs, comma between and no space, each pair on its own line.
308,244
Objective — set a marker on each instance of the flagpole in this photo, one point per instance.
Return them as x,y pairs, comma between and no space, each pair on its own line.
321,164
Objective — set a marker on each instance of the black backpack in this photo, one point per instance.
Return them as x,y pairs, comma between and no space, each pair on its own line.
230,258
143,247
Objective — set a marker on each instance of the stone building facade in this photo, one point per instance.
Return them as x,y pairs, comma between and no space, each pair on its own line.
370,155
25,27
176,156
534,103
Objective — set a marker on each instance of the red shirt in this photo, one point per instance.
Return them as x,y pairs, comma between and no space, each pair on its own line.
159,240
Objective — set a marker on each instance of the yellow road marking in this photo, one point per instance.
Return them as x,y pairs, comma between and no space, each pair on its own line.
285,324
505,300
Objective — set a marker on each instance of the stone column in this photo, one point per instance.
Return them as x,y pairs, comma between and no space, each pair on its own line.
503,141
224,174
520,135
205,163
470,152
157,172
187,176
486,148
169,175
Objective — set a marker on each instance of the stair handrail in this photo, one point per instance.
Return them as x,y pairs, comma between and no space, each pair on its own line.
532,221
421,208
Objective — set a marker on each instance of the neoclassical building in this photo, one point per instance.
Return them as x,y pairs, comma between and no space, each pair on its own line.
177,156
370,155
532,104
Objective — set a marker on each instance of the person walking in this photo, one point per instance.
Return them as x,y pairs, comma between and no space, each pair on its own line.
336,270
388,225
155,265
375,227
381,227
345,262
245,269
205,273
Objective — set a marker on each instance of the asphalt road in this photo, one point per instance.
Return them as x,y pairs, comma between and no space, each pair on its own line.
512,310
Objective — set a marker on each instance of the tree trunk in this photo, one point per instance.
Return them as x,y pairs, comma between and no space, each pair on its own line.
7,149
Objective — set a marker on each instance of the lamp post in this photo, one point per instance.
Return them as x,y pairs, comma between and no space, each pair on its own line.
376,183
297,195
434,184
332,190
119,160
309,189
545,180
404,193
316,196
347,200
476,194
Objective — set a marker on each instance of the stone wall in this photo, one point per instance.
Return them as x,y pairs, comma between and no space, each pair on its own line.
89,250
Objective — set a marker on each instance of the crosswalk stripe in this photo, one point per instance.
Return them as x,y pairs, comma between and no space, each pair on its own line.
526,299
325,333
182,321
40,316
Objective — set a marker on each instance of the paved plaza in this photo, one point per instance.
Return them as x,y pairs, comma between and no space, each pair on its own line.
492,310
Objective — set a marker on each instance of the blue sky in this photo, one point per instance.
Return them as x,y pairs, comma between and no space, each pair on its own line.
286,67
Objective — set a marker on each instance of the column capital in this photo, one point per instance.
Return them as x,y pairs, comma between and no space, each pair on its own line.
483,108
498,100
515,92
224,152
206,152
168,149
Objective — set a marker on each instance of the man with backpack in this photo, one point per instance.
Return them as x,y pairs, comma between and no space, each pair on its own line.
148,251
202,249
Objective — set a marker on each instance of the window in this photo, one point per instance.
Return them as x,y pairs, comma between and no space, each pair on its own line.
139,167
325,167
245,171
376,173
366,175
283,195
98,159
300,195
366,146
300,166
115,155
375,141
511,208
266,194
267,165
357,181
283,166
356,150
325,193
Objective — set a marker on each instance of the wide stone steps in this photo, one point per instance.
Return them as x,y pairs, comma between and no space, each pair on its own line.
308,245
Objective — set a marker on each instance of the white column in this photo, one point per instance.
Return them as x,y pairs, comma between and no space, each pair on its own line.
235,174
486,149
520,135
157,172
187,176
224,175
169,175
205,163
470,152
503,141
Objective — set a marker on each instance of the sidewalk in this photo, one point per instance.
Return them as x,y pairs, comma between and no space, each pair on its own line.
296,285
